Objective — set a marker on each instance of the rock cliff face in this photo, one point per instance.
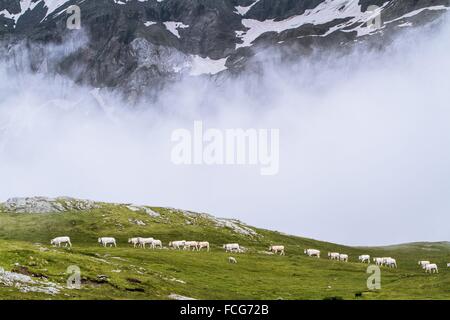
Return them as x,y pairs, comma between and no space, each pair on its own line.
140,45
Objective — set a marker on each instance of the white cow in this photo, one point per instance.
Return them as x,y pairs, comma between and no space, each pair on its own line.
232,260
423,263
134,241
343,257
232,247
431,268
191,245
312,252
364,258
333,255
276,249
144,241
203,244
177,244
59,240
378,261
104,241
390,262
157,243
448,265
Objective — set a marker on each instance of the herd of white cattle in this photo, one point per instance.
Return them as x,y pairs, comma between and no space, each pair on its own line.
379,261
152,243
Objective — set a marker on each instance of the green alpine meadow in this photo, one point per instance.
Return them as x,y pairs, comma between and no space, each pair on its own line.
32,268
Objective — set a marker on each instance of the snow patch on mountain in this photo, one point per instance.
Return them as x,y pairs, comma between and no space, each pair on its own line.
243,10
206,66
25,5
325,12
29,5
173,27
52,5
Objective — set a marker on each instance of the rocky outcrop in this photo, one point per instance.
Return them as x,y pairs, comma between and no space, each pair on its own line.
233,225
27,284
47,205
147,210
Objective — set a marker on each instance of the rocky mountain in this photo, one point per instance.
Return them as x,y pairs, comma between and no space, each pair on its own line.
139,45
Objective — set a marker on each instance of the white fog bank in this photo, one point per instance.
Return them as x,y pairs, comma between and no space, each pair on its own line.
364,144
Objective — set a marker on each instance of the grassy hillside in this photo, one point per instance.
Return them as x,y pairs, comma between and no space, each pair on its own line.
129,273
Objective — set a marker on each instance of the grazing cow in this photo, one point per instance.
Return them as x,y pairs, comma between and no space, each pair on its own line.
203,244
343,257
312,252
364,258
134,241
107,240
431,268
448,265
378,261
276,249
177,244
145,241
157,243
333,255
191,245
423,263
390,262
232,247
59,240
232,260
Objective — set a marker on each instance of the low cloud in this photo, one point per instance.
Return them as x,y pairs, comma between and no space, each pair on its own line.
364,143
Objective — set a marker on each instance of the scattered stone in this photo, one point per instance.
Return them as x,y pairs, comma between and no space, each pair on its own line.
119,258
25,283
102,278
174,280
175,296
137,222
177,280
147,210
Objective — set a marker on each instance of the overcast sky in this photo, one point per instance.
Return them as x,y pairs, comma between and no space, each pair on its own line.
364,145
